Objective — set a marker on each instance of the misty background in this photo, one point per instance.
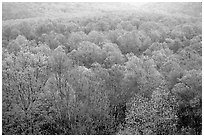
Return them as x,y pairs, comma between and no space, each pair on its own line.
70,9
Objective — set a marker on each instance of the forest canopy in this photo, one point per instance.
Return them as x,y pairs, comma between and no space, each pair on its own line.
124,69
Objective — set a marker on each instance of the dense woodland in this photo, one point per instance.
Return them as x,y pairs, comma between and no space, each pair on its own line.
124,73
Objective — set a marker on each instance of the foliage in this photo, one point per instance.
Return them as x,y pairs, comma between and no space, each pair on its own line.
107,72
153,116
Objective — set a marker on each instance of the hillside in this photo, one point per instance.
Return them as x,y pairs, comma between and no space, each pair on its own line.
49,9
186,8
32,10
101,69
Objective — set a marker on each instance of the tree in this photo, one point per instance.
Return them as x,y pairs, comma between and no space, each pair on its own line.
196,44
96,37
26,29
172,71
126,25
89,27
74,39
189,92
152,116
117,95
59,97
23,83
91,111
113,54
135,22
141,76
129,42
19,44
102,25
113,35
174,45
145,39
87,54
43,27
72,27
53,40
188,31
176,33
158,46
189,59
59,63
42,48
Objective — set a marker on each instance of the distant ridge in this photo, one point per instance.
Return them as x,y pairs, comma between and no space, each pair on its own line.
188,8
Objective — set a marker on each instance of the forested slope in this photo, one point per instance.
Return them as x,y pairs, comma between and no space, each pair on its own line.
117,72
